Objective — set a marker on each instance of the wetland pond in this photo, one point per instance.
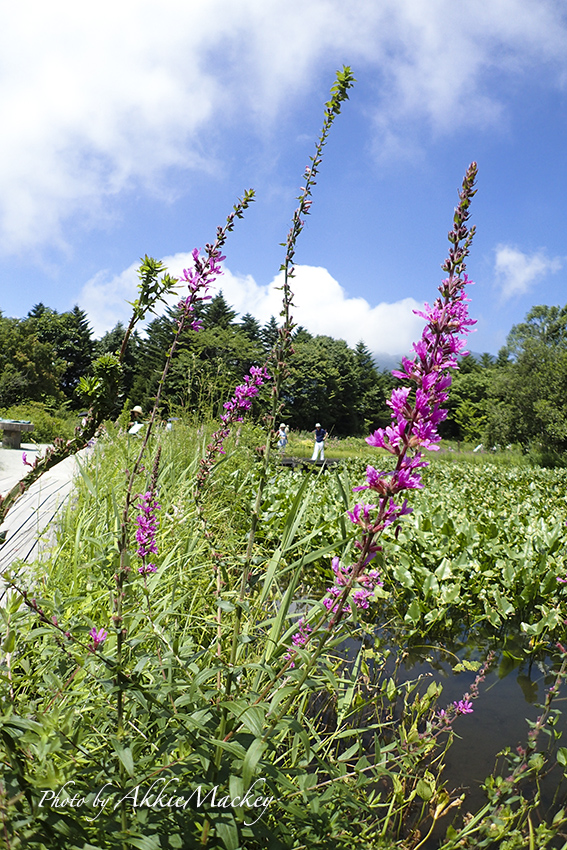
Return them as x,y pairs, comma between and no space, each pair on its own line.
512,693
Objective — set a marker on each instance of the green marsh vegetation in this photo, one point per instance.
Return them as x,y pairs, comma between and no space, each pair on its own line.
175,674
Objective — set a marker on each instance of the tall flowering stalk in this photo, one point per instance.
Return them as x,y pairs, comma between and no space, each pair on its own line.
198,278
277,366
239,404
147,522
283,349
147,525
416,410
283,346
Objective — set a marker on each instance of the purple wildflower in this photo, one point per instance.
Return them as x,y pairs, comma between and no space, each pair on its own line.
300,638
98,638
360,515
147,526
416,414
463,706
199,279
239,404
361,596
243,395
25,460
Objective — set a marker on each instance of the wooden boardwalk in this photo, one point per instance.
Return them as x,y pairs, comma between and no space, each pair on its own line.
31,523
306,463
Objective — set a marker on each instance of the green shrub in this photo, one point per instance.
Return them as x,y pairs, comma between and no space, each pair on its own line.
48,423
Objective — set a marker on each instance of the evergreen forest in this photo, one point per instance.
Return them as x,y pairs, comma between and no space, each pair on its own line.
518,397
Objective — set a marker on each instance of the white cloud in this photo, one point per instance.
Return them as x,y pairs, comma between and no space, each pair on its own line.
517,272
321,305
98,99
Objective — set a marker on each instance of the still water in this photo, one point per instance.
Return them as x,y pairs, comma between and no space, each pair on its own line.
512,692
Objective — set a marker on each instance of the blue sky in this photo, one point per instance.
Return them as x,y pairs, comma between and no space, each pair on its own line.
132,128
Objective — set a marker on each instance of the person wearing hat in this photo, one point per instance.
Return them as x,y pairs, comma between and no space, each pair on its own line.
282,437
136,423
319,447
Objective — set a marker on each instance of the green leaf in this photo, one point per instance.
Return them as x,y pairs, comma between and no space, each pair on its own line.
150,842
9,641
413,613
425,790
227,831
124,754
252,717
253,756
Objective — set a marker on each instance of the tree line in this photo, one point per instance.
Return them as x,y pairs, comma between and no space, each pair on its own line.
44,355
518,397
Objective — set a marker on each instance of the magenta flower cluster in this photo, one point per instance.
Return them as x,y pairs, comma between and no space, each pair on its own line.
415,421
199,279
445,717
361,596
243,395
25,460
300,638
147,525
416,415
463,706
238,405
98,638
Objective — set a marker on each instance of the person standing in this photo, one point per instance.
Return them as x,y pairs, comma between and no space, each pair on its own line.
319,447
136,422
282,437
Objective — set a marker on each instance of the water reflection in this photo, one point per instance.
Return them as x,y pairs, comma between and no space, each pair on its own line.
510,695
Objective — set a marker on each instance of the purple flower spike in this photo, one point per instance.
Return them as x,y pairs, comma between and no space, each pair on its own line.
98,638
147,525
300,638
361,596
238,405
416,414
199,279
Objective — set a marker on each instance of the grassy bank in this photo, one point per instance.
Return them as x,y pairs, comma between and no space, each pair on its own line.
208,688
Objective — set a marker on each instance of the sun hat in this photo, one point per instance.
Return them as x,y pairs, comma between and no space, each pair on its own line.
137,409
317,424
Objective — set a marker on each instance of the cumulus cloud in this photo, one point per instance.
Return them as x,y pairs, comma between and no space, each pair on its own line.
99,99
322,305
517,272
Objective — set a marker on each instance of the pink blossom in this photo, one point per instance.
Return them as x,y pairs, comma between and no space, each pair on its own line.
98,637
463,706
239,404
147,525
